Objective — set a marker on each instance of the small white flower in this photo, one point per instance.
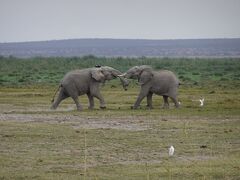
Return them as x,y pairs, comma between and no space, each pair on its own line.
171,151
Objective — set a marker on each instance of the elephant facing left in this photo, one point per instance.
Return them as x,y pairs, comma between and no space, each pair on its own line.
86,81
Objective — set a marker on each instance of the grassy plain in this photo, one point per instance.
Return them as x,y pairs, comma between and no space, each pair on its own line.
120,143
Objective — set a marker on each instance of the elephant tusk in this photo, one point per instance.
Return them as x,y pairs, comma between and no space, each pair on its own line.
139,83
122,75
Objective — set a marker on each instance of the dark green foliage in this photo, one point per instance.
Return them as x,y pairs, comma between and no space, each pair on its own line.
14,71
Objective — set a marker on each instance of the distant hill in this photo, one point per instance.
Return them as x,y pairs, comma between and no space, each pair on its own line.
124,47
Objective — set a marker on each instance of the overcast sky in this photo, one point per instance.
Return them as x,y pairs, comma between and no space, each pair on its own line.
33,20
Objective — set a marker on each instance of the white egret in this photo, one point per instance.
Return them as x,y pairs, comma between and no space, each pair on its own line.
201,102
171,151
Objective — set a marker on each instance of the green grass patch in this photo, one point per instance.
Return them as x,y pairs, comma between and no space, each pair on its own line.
14,71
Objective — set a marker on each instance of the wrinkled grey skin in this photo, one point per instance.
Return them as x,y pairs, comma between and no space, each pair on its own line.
163,83
86,81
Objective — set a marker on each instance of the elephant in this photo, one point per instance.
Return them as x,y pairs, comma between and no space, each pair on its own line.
86,81
162,82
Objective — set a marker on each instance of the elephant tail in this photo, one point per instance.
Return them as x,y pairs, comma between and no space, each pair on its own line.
56,92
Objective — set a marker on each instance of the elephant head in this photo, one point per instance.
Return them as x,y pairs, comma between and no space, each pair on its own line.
97,74
104,73
142,73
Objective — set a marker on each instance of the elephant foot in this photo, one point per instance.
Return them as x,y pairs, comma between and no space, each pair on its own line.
103,107
134,107
79,108
90,108
165,106
53,108
149,107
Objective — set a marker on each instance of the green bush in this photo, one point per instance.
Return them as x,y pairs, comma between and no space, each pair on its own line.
218,74
195,73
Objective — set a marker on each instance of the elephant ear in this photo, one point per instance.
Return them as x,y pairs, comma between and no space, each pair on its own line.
97,74
145,77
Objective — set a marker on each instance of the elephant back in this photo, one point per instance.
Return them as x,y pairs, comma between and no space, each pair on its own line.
76,77
167,77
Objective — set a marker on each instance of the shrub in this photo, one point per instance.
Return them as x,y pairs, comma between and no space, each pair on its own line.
195,73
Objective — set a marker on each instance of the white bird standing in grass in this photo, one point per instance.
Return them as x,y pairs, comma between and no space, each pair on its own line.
171,151
201,102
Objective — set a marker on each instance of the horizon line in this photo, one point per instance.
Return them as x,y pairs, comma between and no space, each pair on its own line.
146,39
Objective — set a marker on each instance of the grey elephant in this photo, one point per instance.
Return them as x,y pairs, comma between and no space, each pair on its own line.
162,82
86,81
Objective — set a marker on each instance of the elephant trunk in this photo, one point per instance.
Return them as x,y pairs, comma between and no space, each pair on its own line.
123,80
116,73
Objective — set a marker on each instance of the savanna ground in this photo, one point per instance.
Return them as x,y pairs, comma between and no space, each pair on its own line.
119,143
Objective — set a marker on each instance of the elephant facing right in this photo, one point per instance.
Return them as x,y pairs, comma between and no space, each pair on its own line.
163,83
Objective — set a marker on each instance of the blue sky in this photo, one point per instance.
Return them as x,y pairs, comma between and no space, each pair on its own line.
34,20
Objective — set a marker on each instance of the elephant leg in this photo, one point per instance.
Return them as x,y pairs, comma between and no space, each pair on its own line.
60,97
166,103
149,100
174,99
76,100
91,101
96,93
143,93
101,100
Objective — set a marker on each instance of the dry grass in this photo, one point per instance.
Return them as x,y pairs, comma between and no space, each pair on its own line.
119,143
